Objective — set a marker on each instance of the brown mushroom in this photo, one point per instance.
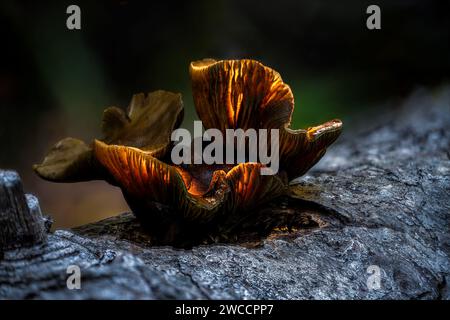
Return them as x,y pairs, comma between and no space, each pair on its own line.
134,152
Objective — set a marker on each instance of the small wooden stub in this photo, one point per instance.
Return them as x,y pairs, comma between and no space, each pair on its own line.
21,222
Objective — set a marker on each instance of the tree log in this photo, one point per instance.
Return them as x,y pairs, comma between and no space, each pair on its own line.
376,208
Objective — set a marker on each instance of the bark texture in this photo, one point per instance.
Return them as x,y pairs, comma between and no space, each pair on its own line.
21,222
379,200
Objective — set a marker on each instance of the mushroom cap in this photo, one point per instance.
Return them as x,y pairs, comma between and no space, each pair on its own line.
147,124
200,197
231,94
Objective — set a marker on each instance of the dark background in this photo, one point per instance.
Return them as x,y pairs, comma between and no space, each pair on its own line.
55,82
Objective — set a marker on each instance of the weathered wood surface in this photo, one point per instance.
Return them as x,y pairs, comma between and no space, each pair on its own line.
381,197
21,222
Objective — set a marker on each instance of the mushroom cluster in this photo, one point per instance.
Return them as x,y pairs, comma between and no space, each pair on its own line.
134,152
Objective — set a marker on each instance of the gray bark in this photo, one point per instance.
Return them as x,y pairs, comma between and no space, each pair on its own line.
379,198
21,222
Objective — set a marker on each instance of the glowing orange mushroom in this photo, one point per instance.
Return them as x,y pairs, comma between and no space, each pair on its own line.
134,152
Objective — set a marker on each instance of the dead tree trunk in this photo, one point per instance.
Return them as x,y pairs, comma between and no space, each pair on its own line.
370,221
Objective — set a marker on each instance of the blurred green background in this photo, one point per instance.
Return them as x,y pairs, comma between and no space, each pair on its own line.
55,82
